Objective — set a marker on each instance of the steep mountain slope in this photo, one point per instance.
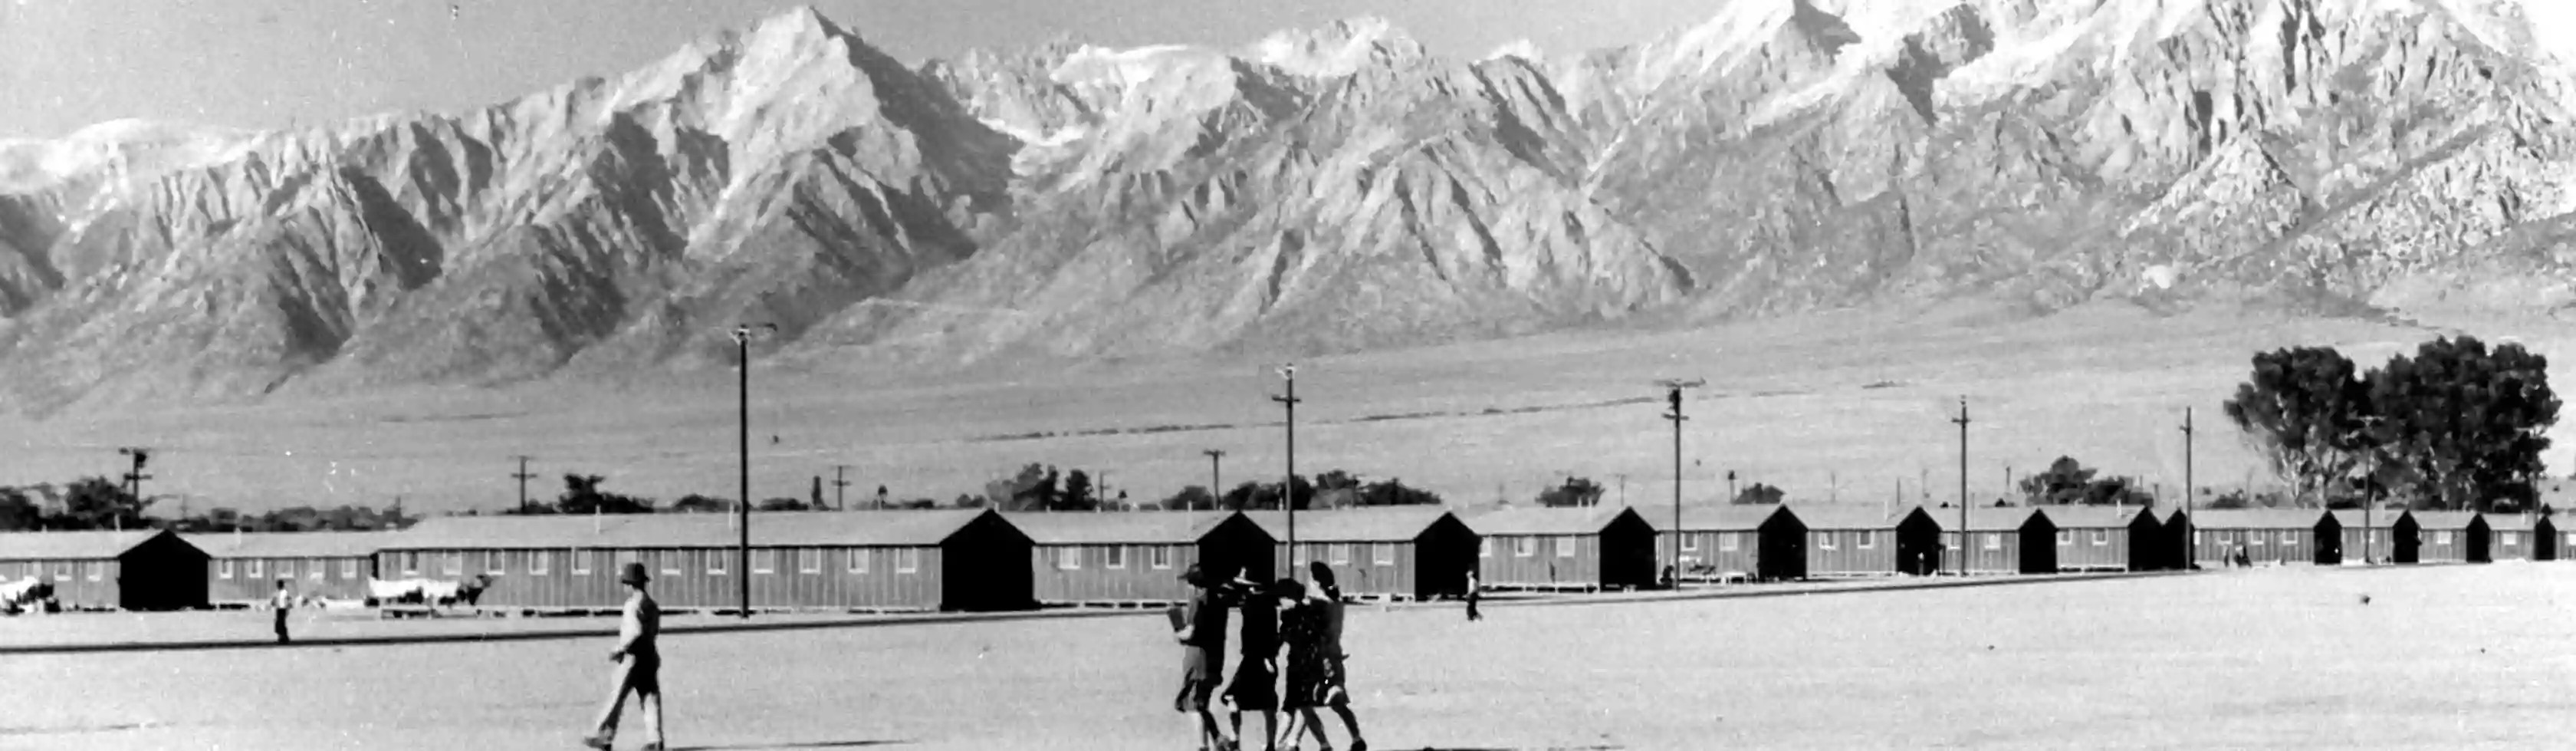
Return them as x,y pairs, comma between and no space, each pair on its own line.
1325,189
2057,152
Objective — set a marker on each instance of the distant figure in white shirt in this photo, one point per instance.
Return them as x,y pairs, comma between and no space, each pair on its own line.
639,664
281,602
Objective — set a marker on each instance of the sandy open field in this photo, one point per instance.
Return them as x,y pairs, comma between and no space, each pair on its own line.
1849,407
2447,657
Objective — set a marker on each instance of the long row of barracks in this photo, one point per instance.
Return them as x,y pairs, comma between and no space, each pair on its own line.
984,560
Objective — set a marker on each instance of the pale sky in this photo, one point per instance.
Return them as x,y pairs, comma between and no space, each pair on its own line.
65,64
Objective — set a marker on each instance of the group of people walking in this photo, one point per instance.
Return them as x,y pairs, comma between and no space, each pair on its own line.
1285,613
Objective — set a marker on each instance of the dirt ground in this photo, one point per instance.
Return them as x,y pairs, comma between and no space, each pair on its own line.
2446,657
1853,408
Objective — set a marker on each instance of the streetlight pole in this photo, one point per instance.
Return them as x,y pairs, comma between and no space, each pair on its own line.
1963,485
1288,487
742,336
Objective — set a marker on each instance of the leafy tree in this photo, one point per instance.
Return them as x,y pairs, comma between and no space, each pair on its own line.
582,496
1077,493
1393,492
2116,491
700,504
970,500
2067,481
2064,481
1192,498
2466,421
1577,491
783,504
18,511
1758,494
1253,496
1337,480
97,503
2231,500
2307,413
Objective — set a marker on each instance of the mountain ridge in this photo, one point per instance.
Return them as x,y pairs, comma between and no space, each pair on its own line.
1330,189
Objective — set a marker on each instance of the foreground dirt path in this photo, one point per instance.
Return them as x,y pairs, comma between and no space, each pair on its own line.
2454,657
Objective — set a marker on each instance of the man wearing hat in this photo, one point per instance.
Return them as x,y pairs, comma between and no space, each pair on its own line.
1202,636
639,663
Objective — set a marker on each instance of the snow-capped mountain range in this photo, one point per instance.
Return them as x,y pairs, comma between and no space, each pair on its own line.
1326,189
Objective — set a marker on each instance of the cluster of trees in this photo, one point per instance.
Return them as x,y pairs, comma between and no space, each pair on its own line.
1759,494
2069,482
582,495
1334,489
1039,487
2455,426
1582,491
90,503
99,503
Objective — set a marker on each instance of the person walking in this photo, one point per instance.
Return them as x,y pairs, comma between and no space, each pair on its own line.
1324,684
639,664
1475,591
1201,633
280,602
1255,687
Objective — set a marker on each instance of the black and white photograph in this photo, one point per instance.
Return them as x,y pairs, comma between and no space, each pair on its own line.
1314,375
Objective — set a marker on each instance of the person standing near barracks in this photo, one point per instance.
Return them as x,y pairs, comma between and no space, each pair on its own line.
639,664
281,602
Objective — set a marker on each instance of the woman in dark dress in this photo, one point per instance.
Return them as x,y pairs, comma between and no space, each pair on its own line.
1255,687
1302,625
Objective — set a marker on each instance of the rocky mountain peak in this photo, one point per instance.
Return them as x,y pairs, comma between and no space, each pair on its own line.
1339,48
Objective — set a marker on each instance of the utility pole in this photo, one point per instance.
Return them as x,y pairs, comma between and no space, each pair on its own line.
1673,394
2369,503
1288,489
1963,485
134,479
1216,476
840,488
2184,563
742,336
523,476
1623,490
